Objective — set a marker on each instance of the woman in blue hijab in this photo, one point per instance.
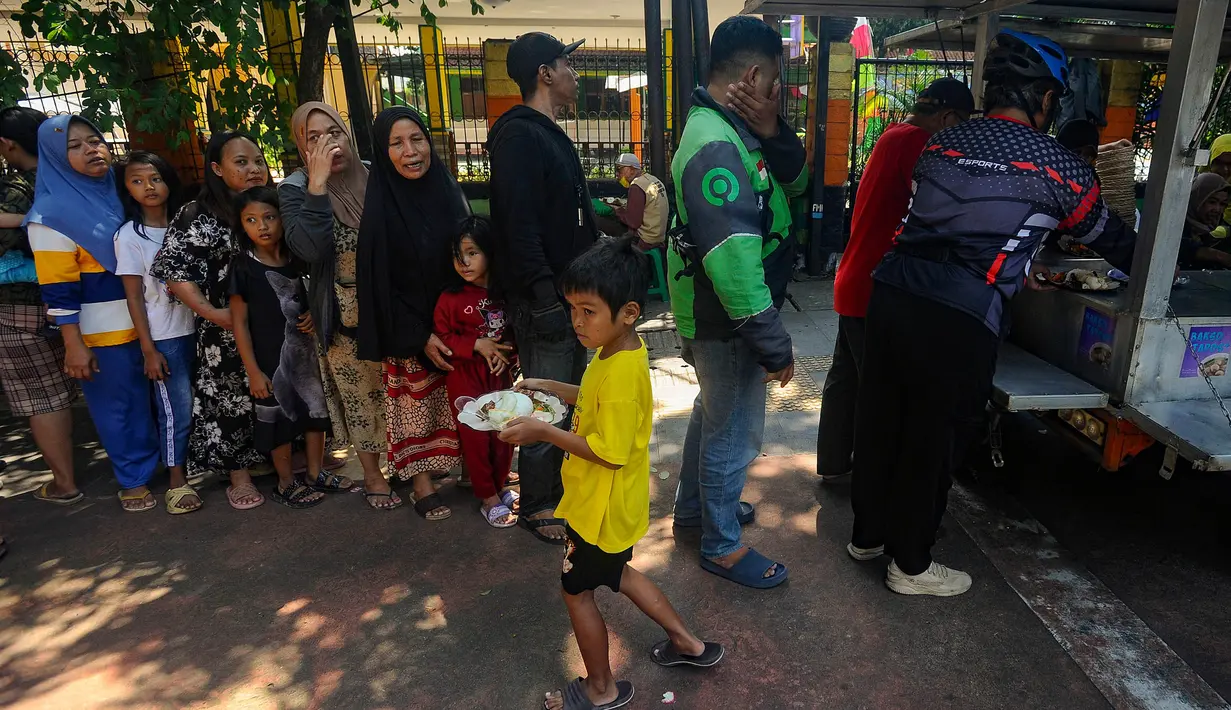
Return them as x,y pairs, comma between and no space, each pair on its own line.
72,226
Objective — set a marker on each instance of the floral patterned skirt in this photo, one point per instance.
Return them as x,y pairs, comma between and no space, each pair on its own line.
355,390
221,438
422,433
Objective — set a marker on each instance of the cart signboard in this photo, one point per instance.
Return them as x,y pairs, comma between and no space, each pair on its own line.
1098,332
1209,351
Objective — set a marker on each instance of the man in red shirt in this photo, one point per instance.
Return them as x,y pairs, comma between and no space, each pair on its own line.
880,205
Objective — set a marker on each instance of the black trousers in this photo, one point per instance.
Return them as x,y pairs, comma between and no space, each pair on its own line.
835,437
927,377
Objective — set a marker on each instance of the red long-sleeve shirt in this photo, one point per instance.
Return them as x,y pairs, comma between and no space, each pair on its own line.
880,205
461,318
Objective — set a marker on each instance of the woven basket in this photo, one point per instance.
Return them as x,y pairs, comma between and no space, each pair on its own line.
1117,179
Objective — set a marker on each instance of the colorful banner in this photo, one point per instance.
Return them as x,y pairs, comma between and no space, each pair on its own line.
1212,348
861,38
1098,332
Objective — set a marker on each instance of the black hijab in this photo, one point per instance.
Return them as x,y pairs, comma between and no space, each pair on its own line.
404,247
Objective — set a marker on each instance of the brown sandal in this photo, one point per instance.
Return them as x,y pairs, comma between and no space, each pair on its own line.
247,490
428,505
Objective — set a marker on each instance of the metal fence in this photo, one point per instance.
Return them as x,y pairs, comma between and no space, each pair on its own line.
611,115
885,91
32,56
798,86
1153,76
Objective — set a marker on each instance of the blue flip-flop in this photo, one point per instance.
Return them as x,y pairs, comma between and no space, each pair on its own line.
747,513
749,571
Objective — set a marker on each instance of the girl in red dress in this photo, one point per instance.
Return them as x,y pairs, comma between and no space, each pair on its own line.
473,325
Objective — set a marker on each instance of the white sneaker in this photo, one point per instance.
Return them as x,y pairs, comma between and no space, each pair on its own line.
864,554
937,581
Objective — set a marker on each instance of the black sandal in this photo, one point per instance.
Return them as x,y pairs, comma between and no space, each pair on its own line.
394,500
664,654
293,497
427,504
330,483
534,525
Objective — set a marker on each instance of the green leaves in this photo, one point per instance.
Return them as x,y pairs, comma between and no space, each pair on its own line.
12,79
191,58
127,74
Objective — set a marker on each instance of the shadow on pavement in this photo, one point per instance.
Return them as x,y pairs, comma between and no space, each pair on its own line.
344,607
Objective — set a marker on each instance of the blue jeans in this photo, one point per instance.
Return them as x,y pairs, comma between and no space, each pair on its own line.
724,437
119,403
173,399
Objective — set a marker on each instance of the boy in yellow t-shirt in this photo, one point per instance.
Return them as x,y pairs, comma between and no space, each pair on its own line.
606,472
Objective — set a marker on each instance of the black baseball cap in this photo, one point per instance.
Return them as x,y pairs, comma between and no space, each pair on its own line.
531,51
947,93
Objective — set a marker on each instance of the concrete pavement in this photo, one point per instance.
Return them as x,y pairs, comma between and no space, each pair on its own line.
344,607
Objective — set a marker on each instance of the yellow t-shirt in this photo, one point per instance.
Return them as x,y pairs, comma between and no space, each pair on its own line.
615,414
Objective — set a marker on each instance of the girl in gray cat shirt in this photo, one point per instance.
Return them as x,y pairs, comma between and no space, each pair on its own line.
274,335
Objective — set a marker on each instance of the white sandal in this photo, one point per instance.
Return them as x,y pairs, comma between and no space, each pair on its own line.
494,514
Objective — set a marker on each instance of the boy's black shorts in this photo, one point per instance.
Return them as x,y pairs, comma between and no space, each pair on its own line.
587,567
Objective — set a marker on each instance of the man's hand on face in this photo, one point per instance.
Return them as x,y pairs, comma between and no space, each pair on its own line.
761,114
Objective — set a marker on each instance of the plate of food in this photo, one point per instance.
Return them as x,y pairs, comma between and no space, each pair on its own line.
494,410
1080,280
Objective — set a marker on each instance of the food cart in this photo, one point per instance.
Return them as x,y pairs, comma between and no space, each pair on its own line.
1145,362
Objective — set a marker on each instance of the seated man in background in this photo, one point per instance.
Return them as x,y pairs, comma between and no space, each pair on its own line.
646,210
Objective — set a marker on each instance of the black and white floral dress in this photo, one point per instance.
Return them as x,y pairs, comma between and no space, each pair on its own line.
198,248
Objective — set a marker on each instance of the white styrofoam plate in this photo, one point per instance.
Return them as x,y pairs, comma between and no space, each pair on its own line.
540,405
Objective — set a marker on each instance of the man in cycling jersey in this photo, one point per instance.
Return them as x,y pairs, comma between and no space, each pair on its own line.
988,194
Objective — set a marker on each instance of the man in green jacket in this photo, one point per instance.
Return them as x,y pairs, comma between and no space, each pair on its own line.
737,166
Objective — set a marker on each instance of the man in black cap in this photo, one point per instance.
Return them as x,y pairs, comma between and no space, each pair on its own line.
543,219
881,203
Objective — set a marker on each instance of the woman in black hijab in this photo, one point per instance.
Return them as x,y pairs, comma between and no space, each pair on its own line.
412,208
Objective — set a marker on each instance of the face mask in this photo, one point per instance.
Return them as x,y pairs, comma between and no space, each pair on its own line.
624,181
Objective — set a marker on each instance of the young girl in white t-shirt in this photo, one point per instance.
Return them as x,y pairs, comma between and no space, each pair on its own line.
150,191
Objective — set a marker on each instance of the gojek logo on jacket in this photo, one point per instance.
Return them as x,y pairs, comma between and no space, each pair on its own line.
719,184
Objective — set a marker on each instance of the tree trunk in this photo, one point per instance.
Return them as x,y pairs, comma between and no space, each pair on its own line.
317,21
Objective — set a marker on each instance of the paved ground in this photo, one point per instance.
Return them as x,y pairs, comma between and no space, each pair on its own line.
344,607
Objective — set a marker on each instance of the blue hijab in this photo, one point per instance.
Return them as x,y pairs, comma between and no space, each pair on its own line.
84,209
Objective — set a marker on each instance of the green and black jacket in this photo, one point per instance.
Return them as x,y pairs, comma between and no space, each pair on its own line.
730,267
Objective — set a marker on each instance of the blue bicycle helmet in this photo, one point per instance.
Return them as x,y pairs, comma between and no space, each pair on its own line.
1026,56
